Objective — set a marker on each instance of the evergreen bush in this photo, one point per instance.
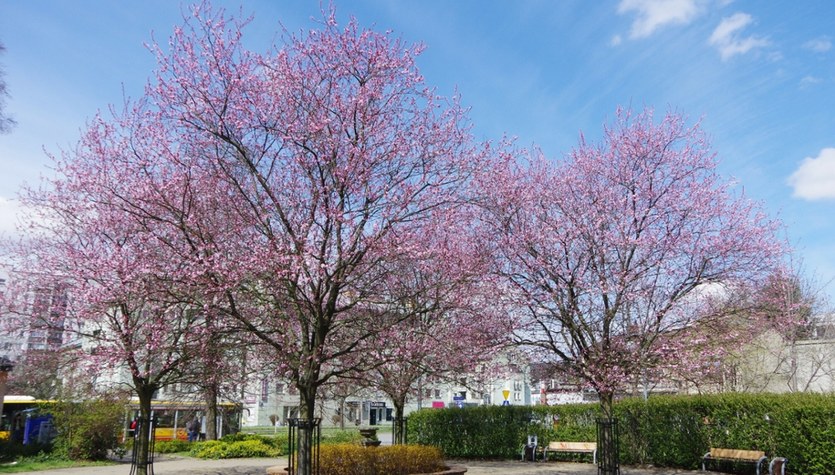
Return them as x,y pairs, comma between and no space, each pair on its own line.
225,449
668,431
87,430
171,446
352,459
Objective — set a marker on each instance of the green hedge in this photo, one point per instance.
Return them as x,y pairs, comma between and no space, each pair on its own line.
170,446
353,459
239,446
669,431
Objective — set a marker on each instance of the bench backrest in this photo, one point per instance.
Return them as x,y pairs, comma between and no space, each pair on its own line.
752,455
578,446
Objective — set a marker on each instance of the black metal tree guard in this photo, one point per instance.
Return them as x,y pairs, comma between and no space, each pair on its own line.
151,439
313,425
608,445
399,430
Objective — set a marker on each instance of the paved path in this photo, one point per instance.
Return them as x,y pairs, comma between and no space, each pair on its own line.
255,466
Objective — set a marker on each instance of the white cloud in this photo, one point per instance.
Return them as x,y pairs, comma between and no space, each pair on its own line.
815,178
808,81
616,40
653,14
819,45
728,39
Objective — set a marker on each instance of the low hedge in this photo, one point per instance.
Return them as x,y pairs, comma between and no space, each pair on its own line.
352,459
669,431
239,446
171,446
249,445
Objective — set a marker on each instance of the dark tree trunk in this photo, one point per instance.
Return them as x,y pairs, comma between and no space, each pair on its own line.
608,443
211,411
398,435
142,441
307,409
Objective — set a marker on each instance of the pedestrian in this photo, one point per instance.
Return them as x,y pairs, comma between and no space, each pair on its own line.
193,428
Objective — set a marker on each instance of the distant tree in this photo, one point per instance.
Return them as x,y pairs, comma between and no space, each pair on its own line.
6,122
789,341
454,323
37,374
339,390
608,250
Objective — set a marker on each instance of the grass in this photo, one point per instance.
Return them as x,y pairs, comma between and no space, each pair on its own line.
37,463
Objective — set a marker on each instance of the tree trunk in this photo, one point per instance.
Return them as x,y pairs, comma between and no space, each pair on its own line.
342,413
307,407
398,435
142,441
607,437
211,410
606,403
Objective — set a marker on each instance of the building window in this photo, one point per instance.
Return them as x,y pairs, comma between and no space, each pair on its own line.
437,394
279,388
517,396
264,388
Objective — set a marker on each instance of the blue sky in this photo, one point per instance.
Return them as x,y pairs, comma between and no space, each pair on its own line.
760,75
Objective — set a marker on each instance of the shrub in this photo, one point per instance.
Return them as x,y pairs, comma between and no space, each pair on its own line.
87,430
670,431
219,449
172,446
352,459
277,441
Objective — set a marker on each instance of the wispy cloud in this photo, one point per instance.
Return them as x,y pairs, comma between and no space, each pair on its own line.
808,81
730,41
654,14
815,178
821,44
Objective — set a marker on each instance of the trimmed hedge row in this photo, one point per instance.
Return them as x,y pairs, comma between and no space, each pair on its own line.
669,431
352,459
249,445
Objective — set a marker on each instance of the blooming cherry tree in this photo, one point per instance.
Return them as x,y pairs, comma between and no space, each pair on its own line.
124,311
608,249
454,326
296,180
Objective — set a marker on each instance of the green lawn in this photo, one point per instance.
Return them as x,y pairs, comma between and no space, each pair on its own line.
40,463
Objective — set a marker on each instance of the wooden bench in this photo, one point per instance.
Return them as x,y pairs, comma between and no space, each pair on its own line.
578,447
756,457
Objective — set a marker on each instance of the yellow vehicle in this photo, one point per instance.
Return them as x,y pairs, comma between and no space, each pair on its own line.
22,420
171,418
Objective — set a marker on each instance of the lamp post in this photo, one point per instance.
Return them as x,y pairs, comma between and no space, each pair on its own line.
6,367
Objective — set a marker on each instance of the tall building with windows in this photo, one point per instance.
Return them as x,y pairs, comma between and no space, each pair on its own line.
37,326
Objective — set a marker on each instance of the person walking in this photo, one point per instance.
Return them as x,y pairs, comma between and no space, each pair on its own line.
193,429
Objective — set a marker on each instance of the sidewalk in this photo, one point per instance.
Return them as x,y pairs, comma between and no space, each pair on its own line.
189,466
